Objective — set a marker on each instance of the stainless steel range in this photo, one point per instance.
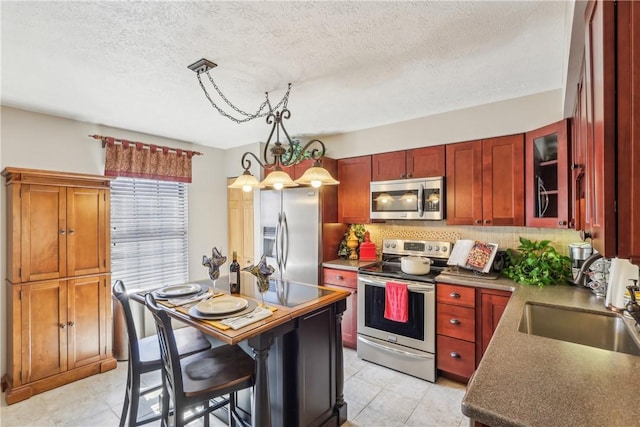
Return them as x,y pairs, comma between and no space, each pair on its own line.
408,347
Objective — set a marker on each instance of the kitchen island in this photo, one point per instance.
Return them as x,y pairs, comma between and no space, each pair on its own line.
297,351
529,380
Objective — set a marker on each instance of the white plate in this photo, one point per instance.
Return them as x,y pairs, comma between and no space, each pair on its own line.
178,290
221,305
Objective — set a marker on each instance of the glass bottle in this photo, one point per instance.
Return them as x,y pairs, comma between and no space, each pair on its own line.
234,275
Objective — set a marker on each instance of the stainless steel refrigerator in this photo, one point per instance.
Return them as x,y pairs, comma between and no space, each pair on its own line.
291,221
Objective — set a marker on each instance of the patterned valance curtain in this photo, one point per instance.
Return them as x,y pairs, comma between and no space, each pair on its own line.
139,160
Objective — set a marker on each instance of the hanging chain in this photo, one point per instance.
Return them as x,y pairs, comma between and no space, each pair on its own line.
259,113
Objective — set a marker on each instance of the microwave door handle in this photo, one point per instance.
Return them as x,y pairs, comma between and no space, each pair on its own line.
421,200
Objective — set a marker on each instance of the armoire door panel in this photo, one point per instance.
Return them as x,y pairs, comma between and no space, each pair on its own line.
85,231
86,320
44,337
43,219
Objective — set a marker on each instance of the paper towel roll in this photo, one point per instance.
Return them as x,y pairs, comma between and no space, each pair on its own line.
619,275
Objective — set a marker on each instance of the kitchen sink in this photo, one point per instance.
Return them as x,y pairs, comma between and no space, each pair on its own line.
602,330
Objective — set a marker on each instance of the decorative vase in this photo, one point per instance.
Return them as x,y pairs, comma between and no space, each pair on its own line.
352,244
261,271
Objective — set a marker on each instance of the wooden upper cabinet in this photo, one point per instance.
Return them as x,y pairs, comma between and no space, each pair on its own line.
464,183
628,143
426,162
600,138
485,182
58,225
416,163
354,175
547,176
388,166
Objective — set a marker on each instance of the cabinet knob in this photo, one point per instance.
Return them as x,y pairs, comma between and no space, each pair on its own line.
403,175
72,231
62,231
409,175
455,355
62,325
339,277
562,222
575,166
454,321
71,323
478,221
487,221
454,295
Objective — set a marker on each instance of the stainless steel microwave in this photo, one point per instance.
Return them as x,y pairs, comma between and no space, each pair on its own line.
418,198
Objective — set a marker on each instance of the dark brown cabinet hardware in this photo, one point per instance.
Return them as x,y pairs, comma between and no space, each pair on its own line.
455,355
454,321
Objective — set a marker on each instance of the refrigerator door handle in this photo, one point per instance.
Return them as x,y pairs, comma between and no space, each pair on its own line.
285,246
278,242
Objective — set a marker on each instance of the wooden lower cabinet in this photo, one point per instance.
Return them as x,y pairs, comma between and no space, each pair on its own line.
466,318
59,331
492,305
347,281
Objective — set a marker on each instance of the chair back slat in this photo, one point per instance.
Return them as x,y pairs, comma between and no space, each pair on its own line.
171,372
120,292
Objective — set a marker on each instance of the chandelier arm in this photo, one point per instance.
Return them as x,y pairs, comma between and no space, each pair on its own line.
271,118
246,163
316,153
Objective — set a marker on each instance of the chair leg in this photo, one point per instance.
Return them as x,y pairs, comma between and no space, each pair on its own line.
134,393
125,405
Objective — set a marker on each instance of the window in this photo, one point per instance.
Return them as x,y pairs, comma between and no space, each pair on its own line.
149,242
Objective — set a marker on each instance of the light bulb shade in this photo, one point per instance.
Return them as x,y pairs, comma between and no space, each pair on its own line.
246,180
317,174
278,179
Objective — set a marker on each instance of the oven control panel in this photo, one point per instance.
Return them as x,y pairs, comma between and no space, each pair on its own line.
428,248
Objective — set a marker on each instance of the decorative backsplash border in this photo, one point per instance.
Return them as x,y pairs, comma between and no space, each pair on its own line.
505,237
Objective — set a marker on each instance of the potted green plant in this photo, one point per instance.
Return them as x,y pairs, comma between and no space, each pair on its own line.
537,263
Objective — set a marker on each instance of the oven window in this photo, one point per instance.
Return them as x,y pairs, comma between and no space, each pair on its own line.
395,201
374,314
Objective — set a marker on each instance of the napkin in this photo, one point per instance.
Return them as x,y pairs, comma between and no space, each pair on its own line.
260,313
176,302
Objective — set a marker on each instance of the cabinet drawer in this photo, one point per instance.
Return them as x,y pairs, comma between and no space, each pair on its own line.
455,294
456,356
338,277
456,321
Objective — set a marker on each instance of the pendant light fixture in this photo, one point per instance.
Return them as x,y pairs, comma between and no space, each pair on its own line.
276,154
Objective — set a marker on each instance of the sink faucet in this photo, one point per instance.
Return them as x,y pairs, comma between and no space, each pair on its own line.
582,274
632,306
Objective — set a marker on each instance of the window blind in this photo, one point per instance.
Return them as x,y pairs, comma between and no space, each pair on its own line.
149,239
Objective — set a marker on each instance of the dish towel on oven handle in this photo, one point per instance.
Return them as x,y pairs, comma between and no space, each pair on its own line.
396,302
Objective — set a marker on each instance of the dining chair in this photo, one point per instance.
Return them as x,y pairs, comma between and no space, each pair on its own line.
144,357
202,379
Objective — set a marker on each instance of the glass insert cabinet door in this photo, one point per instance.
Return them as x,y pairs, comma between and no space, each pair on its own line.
547,178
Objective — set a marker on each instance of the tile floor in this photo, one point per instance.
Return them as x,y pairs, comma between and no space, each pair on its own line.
376,397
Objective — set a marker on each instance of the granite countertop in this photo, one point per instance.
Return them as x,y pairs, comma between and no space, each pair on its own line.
347,264
528,380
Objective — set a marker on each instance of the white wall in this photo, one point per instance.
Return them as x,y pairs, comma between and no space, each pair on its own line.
39,141
496,119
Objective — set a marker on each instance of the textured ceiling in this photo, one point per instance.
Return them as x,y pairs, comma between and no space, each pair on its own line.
353,65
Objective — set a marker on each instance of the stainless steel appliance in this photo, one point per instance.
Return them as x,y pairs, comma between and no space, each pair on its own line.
421,198
291,222
408,347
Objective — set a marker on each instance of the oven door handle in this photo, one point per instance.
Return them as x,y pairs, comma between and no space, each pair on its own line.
423,289
395,350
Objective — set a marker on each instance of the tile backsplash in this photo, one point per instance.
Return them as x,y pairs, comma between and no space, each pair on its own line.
505,237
